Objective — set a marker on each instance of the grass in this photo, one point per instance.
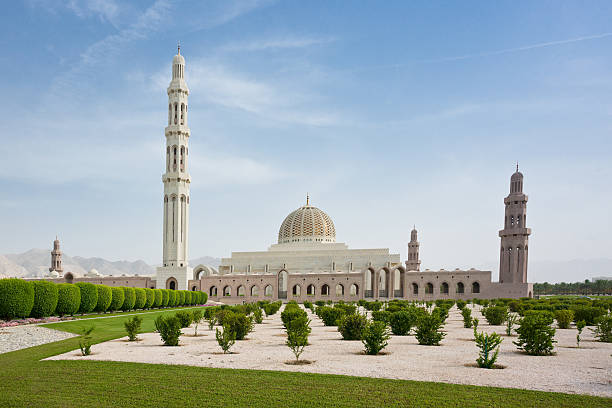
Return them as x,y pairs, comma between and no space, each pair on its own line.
27,381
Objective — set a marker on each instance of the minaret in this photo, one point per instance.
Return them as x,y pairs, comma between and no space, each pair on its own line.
176,182
413,263
56,257
515,235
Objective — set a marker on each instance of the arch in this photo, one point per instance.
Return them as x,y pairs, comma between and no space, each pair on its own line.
69,276
369,279
296,290
182,159
194,288
339,290
171,283
354,290
311,290
325,290
212,291
254,290
227,290
384,283
415,288
283,275
444,288
241,291
429,288
475,287
399,276
268,290
203,270
460,287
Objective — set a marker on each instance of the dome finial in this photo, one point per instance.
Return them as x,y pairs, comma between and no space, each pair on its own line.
179,48
307,199
517,166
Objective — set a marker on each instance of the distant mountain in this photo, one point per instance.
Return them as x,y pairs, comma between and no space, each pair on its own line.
10,268
115,268
37,261
205,260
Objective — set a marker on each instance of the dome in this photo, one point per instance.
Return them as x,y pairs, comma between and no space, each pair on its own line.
307,224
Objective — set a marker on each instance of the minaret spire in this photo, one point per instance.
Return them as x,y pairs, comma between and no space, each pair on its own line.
179,48
307,199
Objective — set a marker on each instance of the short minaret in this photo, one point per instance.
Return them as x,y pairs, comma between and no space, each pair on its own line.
56,258
515,235
413,263
175,271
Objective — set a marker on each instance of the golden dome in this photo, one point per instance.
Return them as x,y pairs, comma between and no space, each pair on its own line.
307,224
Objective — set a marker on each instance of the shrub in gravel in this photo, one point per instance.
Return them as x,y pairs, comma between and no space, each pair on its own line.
466,312
588,314
272,308
564,318
225,338
580,326
401,322
105,297
375,337
351,326
291,312
428,331
141,298
130,299
117,299
330,315
487,343
346,308
381,316
258,315
536,336
320,303
239,323
132,327
197,315
89,297
169,328
603,328
16,298
298,330
159,298
511,320
68,299
495,315
461,304
150,295
45,298
165,297
185,317
85,341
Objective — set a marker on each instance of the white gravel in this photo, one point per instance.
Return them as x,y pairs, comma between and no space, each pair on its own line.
587,370
20,337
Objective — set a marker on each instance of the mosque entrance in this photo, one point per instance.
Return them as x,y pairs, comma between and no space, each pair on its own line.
282,284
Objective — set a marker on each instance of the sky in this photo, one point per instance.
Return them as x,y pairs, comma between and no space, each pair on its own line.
389,114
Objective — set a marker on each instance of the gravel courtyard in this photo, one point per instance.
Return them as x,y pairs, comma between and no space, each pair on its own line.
20,337
587,370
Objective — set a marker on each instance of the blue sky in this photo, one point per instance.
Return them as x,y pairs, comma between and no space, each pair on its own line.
388,113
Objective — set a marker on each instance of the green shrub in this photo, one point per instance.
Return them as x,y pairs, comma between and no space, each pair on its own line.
89,297
291,313
320,303
375,337
105,297
150,298
308,305
467,317
580,326
169,328
381,316
226,338
130,299
461,304
298,330
196,317
258,315
159,298
401,322
132,327
68,300
441,312
180,297
536,336
165,297
346,308
141,298
428,330
588,314
487,343
45,298
85,340
515,306
171,298
117,298
511,320
564,318
238,323
495,315
330,315
184,317
603,328
272,308
16,298
351,326
189,296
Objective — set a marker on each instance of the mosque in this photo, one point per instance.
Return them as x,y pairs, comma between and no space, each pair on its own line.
307,263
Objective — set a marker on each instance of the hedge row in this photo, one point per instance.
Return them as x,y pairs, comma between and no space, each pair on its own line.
20,298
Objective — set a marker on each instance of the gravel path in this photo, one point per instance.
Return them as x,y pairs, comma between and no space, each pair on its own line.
587,370
20,337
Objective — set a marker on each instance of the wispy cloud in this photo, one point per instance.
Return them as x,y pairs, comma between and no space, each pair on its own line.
276,43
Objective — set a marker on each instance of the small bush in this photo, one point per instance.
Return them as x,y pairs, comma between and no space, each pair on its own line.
580,326
150,298
85,340
203,298
588,314
290,313
495,315
511,320
401,322
159,298
117,299
16,298
272,308
69,299
428,330
180,297
467,317
239,324
196,316
330,315
171,298
132,327
487,343
298,330
189,296
105,297
320,303
89,297
375,337
226,338
536,336
461,304
351,326
45,298
165,297
169,328
381,316
564,318
184,317
603,328
258,315
141,298
130,299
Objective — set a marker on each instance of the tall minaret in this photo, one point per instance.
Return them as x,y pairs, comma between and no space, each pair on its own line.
176,183
56,258
515,235
413,263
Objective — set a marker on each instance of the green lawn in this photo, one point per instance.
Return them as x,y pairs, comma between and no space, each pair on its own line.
27,381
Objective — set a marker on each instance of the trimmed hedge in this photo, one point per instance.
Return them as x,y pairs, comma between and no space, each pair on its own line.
16,298
171,298
69,299
117,299
165,297
130,299
141,298
89,296
159,297
181,297
45,298
150,294
203,298
105,297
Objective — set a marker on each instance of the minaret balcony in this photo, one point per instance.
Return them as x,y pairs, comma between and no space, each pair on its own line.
508,232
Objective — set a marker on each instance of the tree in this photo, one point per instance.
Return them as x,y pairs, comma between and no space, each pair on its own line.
298,331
